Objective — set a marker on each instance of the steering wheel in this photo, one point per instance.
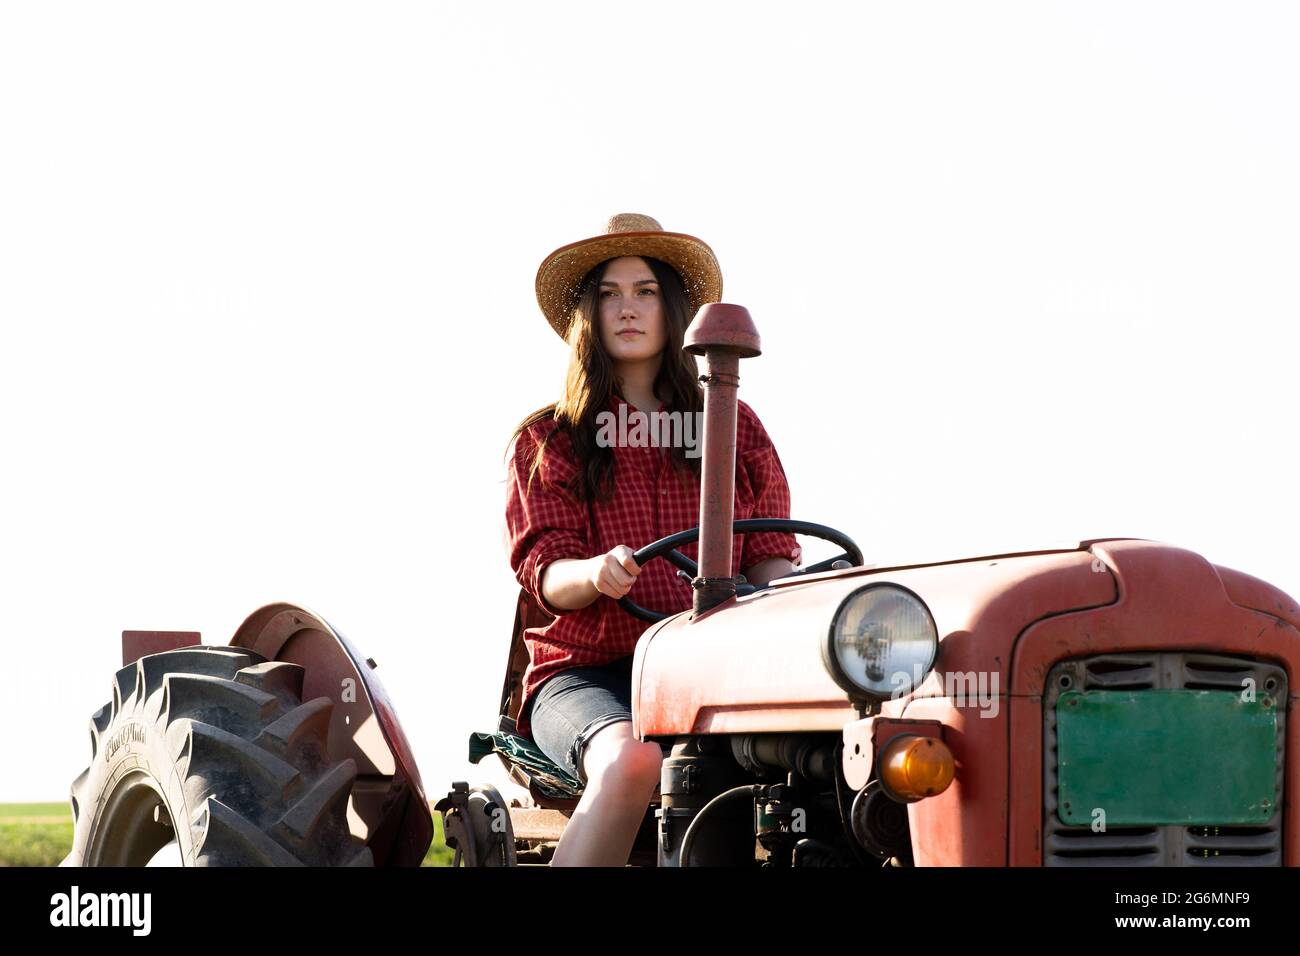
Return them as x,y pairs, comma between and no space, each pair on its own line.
667,548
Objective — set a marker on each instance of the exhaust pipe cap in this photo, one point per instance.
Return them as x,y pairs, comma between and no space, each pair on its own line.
720,325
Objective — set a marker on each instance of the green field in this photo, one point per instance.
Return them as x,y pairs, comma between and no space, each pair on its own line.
8,811
34,834
40,834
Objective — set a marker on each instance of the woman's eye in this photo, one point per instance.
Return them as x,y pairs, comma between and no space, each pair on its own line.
606,292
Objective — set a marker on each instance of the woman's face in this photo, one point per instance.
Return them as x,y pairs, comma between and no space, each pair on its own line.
630,310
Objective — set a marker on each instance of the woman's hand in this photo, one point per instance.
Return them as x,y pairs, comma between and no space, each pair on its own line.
613,574
765,571
573,583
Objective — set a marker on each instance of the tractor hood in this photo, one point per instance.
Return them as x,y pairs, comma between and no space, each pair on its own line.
754,664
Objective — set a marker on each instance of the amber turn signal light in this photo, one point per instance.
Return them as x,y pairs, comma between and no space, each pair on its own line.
913,768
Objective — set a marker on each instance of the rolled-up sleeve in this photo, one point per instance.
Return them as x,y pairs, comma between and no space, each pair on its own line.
544,523
771,500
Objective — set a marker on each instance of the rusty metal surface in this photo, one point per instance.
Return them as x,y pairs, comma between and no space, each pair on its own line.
1250,592
138,644
537,823
363,725
1169,599
1165,598
755,663
966,825
723,334
723,325
717,480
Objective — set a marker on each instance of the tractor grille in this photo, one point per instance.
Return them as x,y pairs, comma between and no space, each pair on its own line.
1170,845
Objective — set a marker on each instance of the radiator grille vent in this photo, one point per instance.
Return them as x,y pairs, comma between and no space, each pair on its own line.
1171,845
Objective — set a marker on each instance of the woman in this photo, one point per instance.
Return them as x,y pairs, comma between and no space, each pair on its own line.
577,507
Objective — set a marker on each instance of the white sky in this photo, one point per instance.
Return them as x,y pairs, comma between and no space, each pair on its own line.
1024,274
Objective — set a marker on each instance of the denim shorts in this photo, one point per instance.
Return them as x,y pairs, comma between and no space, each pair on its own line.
572,705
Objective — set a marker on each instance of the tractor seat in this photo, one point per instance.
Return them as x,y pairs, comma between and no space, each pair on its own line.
525,763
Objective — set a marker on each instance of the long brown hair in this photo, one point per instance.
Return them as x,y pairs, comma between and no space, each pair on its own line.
590,383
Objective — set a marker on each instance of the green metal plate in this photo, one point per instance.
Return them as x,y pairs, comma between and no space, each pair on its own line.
1153,757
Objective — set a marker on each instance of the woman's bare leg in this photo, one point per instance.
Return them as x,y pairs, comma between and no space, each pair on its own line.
622,773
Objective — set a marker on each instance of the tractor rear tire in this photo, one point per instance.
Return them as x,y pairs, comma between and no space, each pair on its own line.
213,747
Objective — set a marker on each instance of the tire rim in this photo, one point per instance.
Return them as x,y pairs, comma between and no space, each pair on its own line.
126,832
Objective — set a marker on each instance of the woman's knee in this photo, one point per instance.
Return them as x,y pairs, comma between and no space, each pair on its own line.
613,752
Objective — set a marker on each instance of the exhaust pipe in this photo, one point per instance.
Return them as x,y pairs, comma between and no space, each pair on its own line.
723,334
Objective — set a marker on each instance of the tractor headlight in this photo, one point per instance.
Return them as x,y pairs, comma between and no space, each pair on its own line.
882,642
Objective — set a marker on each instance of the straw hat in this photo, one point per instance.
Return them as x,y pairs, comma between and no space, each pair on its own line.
626,234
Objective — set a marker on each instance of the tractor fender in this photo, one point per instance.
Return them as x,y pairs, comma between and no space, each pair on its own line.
389,808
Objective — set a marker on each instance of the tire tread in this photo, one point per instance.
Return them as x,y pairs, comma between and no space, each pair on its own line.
249,759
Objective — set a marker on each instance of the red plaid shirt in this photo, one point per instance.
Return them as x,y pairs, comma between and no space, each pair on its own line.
651,500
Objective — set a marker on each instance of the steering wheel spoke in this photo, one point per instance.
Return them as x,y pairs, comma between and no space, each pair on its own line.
826,565
683,562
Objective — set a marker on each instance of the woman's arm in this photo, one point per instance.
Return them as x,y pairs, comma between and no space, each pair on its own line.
574,583
545,524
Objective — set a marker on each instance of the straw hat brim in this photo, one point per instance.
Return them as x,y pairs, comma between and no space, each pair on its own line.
561,273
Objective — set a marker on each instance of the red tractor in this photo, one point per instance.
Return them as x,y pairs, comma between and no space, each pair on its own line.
1122,702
